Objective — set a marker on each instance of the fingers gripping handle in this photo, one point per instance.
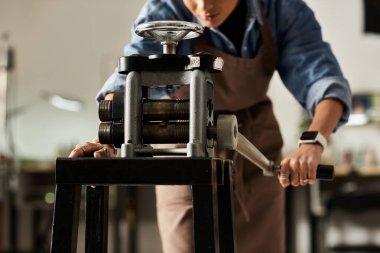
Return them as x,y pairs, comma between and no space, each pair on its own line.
324,172
229,138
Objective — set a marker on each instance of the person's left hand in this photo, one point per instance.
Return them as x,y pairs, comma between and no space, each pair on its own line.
93,148
299,167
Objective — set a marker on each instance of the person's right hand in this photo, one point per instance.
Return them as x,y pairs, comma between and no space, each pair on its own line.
94,149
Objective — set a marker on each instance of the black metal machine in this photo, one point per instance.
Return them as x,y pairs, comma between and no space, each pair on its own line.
156,121
135,122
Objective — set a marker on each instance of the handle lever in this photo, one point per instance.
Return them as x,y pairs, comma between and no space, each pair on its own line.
229,137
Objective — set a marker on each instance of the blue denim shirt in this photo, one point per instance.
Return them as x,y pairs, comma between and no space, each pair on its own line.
305,62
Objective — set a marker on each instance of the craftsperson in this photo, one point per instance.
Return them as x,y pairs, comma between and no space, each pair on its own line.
255,38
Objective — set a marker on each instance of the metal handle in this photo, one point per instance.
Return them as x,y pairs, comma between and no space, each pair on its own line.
325,172
228,137
169,32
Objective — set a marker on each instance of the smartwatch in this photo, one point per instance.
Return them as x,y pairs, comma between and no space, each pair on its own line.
312,137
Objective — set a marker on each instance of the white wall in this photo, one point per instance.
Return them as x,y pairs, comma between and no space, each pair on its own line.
67,47
358,53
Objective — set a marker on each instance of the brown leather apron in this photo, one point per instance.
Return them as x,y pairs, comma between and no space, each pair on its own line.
240,89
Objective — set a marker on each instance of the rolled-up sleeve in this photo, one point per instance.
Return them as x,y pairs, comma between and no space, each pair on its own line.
334,87
306,63
114,83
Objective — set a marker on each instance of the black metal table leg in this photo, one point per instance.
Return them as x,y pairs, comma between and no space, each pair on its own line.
96,219
203,219
132,219
226,212
66,218
211,187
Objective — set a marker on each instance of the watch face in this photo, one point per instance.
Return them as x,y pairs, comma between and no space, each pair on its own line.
311,135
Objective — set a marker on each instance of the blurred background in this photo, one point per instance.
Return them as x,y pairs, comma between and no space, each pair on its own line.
54,57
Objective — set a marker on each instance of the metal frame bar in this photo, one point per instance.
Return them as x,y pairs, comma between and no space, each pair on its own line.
132,114
198,115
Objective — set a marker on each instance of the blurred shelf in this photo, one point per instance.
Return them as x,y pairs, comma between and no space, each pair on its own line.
365,109
36,166
355,248
344,171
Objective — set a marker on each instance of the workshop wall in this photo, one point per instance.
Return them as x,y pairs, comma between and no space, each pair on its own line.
70,47
63,47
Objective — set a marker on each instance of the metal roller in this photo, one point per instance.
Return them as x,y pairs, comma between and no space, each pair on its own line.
111,133
170,132
153,133
161,110
112,110
105,110
153,110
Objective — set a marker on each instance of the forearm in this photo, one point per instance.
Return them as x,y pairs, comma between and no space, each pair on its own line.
326,116
300,166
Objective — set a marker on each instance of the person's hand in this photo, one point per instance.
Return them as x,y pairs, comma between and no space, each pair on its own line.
300,167
93,148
